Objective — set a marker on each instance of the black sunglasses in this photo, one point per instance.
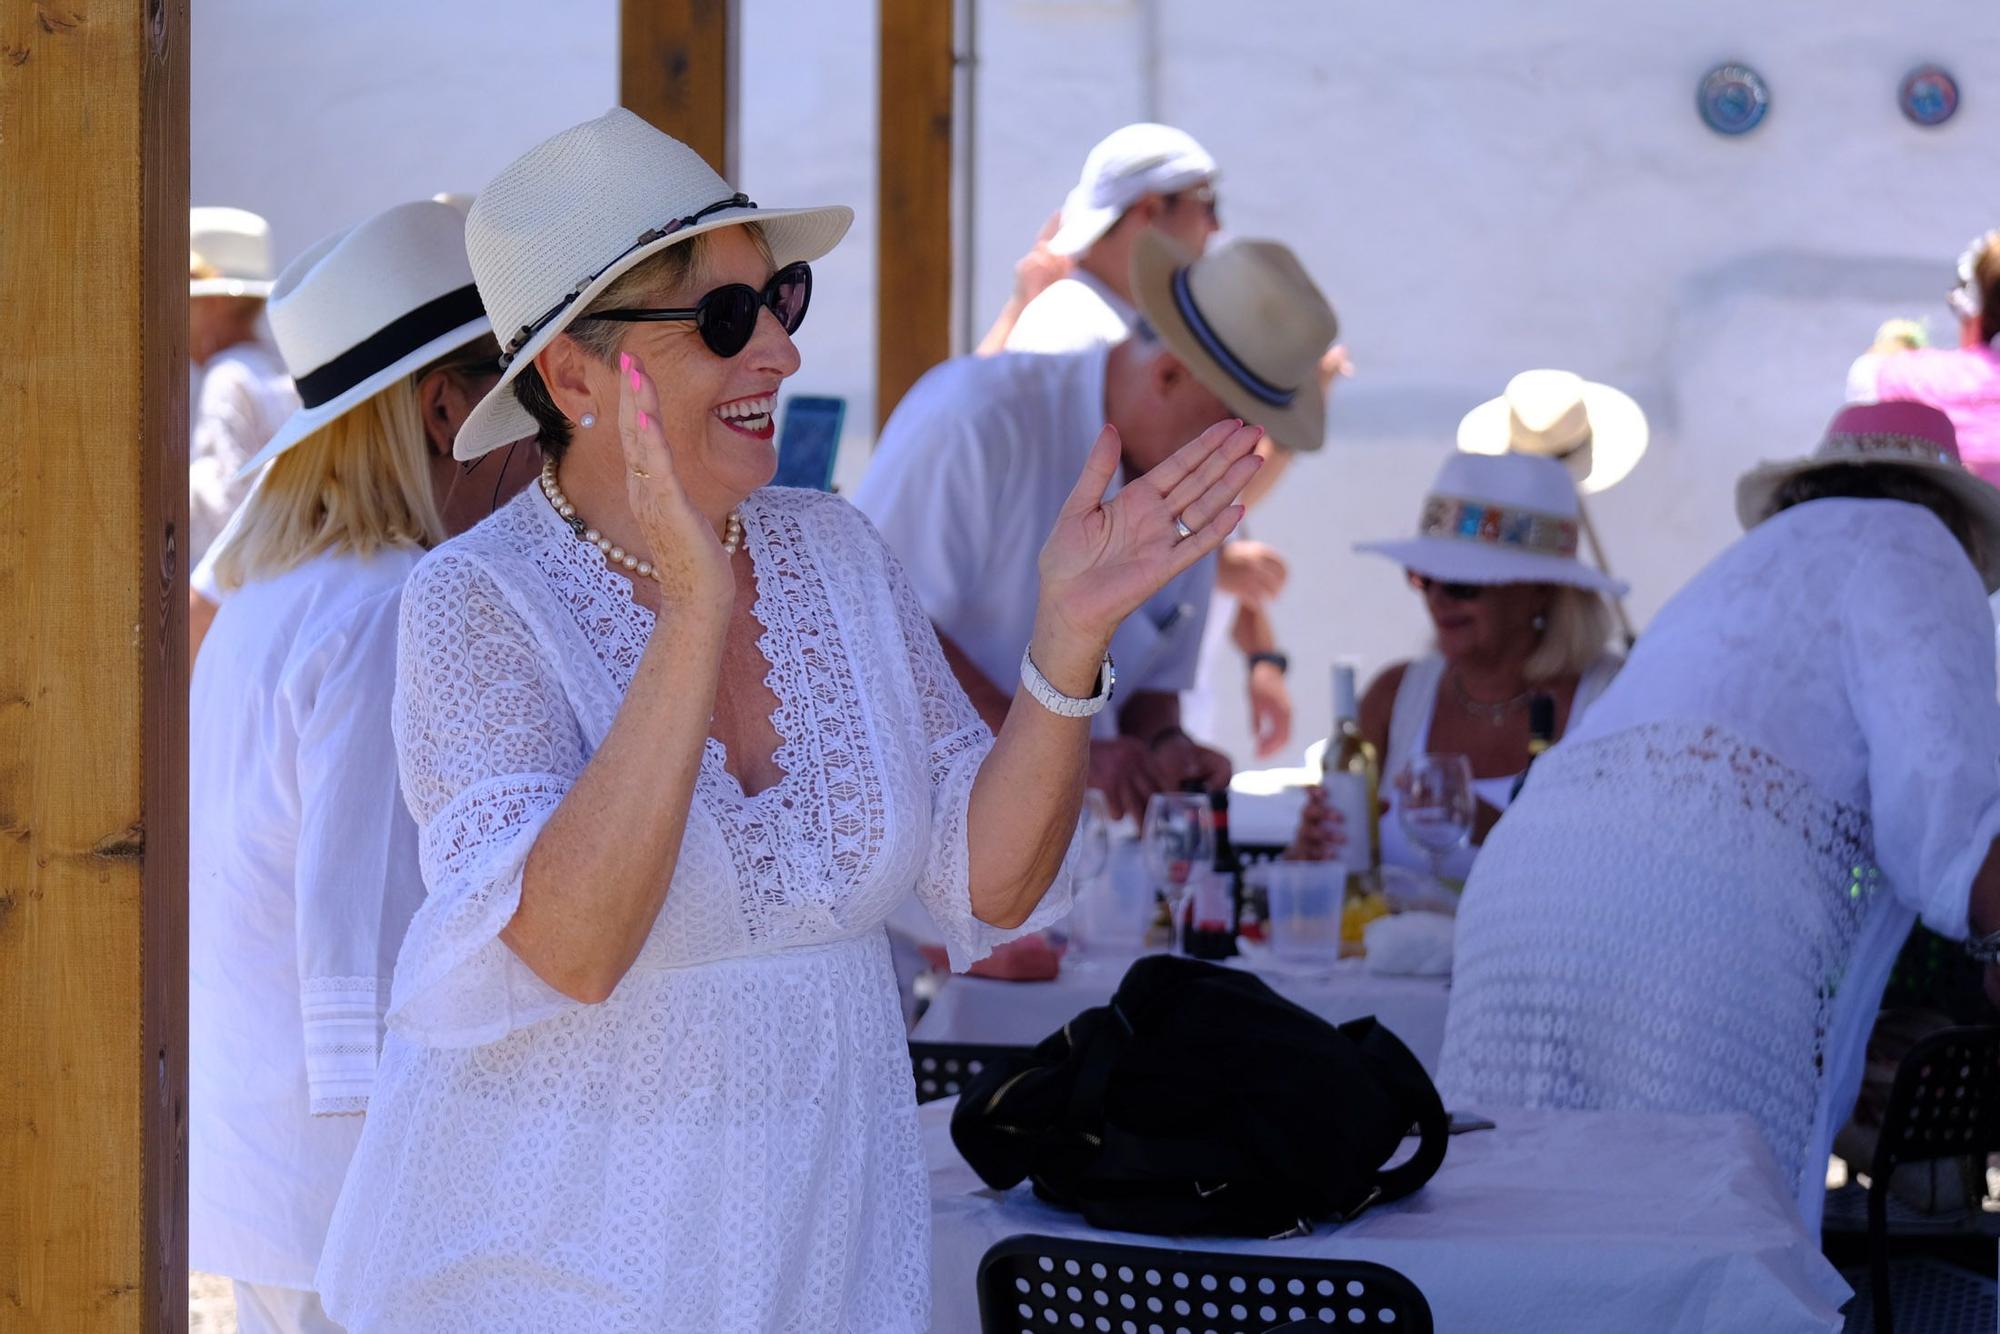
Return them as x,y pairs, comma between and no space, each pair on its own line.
727,317
1423,583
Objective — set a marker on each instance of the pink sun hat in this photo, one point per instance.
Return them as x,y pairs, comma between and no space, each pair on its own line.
1912,436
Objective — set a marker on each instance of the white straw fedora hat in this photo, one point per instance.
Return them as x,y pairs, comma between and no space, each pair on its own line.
1498,519
1914,437
1125,167
1249,322
559,225
1597,431
365,307
231,248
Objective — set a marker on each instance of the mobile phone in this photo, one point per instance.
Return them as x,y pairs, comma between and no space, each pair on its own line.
810,442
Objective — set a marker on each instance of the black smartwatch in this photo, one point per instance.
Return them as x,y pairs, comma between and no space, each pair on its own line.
1278,660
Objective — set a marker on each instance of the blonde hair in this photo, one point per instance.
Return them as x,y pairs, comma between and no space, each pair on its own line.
358,484
1578,625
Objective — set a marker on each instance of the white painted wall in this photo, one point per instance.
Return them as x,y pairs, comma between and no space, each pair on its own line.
1479,188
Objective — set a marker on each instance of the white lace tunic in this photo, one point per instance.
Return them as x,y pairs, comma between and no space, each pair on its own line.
729,1142
1696,900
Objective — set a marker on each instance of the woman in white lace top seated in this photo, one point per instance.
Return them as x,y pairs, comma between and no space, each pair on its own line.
1695,902
677,744
1515,614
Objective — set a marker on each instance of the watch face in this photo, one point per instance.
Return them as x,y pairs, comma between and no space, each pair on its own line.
1733,99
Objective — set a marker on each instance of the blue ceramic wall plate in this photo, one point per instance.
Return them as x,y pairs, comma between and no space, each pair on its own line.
1733,99
1929,95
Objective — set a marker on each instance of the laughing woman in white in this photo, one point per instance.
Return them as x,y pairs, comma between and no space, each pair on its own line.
302,858
1694,904
678,744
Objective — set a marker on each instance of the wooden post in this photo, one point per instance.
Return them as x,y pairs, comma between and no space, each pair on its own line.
677,69
93,665
913,277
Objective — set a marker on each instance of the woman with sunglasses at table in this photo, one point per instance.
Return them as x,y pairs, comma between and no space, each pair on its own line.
1515,613
678,743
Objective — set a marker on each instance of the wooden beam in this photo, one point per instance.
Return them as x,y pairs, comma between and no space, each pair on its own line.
677,69
93,671
913,275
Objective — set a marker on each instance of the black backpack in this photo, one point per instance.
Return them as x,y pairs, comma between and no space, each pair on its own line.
1202,1102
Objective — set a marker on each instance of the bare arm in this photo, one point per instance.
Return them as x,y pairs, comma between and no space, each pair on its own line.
598,873
1100,564
1033,272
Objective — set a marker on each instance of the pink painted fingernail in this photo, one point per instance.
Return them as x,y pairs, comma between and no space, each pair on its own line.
642,421
624,361
635,381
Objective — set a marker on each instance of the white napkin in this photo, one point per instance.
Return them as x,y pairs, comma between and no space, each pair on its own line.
1410,944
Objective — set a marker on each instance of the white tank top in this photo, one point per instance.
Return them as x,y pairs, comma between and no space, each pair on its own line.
1410,734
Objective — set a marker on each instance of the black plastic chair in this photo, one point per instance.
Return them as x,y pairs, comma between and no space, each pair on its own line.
1945,1103
944,1068
1037,1285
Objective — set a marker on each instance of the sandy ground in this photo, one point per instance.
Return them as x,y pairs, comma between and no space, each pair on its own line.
211,1308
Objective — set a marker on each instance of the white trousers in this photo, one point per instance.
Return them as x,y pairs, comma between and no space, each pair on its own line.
266,1310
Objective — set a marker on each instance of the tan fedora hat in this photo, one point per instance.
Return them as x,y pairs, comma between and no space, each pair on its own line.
1249,322
1598,431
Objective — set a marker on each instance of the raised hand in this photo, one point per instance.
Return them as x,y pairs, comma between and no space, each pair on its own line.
1104,559
685,555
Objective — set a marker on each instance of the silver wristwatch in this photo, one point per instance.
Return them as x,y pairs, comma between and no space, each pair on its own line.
1063,706
1986,948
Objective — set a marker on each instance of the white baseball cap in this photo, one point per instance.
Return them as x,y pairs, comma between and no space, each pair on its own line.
1125,167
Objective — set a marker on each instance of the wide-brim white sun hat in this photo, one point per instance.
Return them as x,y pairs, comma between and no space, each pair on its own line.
560,223
1912,437
366,307
1249,322
1499,519
236,244
1125,167
1599,433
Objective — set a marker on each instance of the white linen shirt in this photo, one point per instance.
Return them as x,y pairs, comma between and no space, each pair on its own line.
967,480
1073,314
245,397
302,875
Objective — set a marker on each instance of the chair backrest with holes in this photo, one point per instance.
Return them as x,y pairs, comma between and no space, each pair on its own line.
1945,1102
944,1068
1039,1285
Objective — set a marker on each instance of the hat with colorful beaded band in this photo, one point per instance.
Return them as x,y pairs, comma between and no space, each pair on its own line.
1915,437
1499,519
562,222
366,307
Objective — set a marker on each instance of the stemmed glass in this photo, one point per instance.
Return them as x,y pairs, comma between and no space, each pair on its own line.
1437,806
1093,859
1179,838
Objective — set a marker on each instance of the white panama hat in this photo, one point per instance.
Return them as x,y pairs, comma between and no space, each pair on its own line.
1249,322
1125,167
365,307
236,244
1499,519
560,223
1598,432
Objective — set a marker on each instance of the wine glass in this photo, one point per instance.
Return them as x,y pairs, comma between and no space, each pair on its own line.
1437,806
1179,839
1092,860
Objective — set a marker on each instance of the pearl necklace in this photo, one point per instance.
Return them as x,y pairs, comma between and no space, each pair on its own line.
732,538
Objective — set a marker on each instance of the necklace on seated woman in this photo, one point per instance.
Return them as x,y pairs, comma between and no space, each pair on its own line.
615,555
1496,714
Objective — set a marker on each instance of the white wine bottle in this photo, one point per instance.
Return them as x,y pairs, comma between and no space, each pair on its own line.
1351,774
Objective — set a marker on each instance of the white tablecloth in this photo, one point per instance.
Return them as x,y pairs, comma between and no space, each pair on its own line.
1586,1221
978,1009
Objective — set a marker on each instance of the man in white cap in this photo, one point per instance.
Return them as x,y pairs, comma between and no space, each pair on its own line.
1142,177
971,465
239,392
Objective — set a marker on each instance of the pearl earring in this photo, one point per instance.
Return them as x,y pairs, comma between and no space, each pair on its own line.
588,420
1541,623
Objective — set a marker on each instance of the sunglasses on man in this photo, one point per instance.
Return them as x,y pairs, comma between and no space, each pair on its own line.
1423,583
727,317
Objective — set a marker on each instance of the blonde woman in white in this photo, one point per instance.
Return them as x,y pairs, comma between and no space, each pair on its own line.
302,858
